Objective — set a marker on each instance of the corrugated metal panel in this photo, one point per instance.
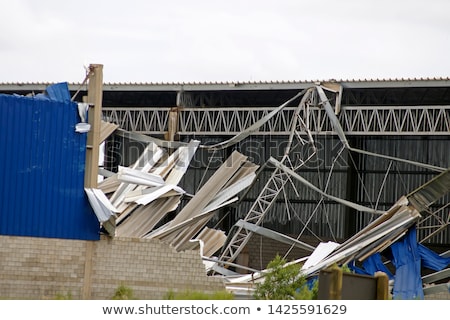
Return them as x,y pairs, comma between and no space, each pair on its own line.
236,84
42,160
402,178
372,187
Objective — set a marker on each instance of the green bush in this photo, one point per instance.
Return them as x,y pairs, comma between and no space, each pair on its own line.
197,295
307,292
61,296
284,283
123,293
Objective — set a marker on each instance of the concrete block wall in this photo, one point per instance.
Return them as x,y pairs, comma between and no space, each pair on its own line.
44,268
261,250
150,267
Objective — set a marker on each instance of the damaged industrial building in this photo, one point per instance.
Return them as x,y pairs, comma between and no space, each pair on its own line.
351,173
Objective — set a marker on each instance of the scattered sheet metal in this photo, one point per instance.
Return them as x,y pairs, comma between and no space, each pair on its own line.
389,230
208,240
319,253
377,235
133,201
103,208
151,192
141,196
109,184
232,177
424,196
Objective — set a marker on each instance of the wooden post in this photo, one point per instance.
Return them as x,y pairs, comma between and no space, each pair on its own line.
172,125
95,96
382,286
336,283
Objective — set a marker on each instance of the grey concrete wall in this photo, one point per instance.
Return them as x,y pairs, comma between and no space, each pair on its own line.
45,268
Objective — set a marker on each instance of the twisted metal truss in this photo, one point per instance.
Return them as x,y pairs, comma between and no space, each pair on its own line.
355,120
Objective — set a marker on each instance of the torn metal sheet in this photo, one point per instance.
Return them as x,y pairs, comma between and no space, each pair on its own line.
145,196
158,192
232,177
106,129
137,177
212,240
144,193
186,153
334,120
319,253
103,208
150,156
144,218
403,219
109,184
424,196
210,189
169,231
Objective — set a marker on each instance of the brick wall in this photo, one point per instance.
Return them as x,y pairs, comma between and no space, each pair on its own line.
43,268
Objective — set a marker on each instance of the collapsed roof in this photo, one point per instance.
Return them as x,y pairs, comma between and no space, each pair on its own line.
136,201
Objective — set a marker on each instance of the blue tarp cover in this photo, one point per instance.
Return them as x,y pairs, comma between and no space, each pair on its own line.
408,258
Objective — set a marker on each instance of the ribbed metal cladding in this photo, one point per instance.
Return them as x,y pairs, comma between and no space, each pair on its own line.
367,180
385,181
42,161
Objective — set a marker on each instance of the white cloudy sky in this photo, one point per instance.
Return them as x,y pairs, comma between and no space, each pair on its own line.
228,40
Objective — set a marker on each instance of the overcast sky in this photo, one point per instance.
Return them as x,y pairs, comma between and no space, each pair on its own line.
229,40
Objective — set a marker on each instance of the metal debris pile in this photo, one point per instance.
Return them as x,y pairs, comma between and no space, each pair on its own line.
134,201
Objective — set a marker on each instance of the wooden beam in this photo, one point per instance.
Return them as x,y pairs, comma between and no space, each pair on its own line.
95,96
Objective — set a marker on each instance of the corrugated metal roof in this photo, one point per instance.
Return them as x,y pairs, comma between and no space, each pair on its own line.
244,85
43,163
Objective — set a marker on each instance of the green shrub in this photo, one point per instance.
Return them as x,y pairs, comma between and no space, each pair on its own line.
61,296
197,295
308,292
123,293
283,283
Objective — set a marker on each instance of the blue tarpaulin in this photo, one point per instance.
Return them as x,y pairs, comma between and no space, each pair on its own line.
408,258
59,92
56,92
407,262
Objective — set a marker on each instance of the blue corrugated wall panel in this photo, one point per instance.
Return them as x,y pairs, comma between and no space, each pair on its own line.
42,160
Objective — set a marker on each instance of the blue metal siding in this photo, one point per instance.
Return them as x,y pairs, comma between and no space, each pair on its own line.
42,159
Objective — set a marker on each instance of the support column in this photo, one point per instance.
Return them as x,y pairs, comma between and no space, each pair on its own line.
94,98
87,281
